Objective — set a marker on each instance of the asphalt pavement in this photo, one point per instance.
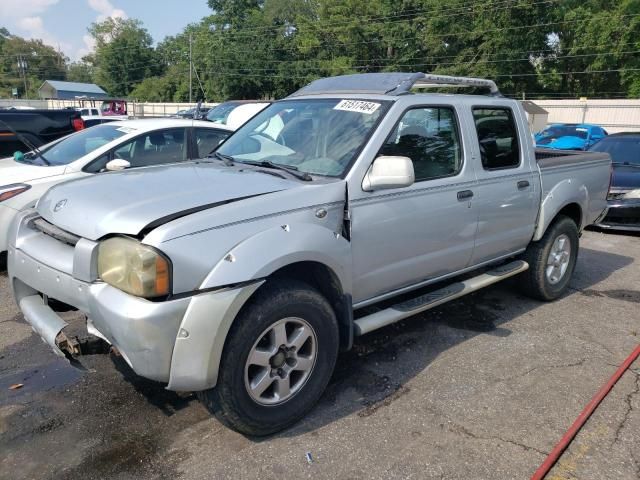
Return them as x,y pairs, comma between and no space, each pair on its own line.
481,388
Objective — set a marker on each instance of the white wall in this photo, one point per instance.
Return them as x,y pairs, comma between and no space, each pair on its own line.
613,115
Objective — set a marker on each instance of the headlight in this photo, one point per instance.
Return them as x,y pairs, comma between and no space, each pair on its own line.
633,194
10,191
135,268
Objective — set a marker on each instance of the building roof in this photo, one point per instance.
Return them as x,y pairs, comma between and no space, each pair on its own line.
88,88
532,108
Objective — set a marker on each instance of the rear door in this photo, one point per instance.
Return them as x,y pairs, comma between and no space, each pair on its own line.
506,194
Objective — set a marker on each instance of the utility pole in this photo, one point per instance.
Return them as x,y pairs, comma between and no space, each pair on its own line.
22,64
190,66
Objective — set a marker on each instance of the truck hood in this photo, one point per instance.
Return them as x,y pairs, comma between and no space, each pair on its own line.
14,172
133,201
626,176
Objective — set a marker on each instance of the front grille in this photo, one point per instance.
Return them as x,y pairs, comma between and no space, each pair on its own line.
51,230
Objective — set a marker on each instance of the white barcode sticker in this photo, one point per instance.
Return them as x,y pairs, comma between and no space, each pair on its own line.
357,106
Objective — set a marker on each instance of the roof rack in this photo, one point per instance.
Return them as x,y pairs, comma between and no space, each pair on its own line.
392,83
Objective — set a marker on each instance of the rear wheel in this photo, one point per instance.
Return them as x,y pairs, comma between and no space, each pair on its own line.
277,361
551,260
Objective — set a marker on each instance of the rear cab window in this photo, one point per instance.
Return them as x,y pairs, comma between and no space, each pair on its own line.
497,137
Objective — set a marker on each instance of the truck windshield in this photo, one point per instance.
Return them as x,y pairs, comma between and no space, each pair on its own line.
623,150
319,136
71,148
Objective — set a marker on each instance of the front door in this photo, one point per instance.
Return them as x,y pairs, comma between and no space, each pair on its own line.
403,236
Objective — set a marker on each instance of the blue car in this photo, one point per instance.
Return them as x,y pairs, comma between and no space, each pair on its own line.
570,136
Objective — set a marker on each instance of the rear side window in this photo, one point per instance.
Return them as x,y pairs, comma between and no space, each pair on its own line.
208,139
498,137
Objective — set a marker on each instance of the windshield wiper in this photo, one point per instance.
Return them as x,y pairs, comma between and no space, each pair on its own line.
24,140
290,169
227,159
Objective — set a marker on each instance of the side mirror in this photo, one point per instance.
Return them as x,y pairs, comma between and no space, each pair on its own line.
116,164
389,172
18,156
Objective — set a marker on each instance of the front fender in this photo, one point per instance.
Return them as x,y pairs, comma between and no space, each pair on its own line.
565,192
262,254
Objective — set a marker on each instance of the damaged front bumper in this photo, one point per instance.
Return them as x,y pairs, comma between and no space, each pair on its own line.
178,342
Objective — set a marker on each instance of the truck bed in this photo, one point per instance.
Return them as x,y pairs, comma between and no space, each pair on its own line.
582,177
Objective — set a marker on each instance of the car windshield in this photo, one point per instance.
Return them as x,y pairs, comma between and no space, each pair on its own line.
622,149
564,131
221,112
319,136
79,144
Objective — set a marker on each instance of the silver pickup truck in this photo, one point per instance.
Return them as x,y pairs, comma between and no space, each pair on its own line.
241,276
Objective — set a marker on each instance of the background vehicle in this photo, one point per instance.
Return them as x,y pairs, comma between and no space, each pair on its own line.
114,106
248,274
624,194
113,146
242,111
95,116
191,113
570,136
37,127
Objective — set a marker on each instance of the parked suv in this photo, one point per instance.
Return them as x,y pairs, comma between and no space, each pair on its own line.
242,277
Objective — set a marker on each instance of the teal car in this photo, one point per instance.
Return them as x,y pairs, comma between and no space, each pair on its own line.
570,136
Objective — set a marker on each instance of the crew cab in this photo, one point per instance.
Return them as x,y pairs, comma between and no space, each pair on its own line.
242,276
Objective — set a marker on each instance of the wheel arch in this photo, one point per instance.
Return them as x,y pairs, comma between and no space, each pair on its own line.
564,199
326,281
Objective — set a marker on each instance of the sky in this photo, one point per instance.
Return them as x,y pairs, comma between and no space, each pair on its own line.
63,23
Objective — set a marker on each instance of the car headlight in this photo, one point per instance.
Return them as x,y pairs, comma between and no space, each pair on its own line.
633,194
10,191
134,268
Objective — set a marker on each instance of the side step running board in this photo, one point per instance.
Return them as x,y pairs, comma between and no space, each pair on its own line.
430,300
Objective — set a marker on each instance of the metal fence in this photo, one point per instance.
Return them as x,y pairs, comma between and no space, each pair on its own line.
136,109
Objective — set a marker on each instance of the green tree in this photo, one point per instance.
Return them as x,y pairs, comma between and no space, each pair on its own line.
124,55
80,72
25,64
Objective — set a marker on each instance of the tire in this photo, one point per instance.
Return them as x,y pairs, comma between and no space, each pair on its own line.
538,282
257,330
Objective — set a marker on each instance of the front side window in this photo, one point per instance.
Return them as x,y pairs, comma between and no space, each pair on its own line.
429,137
319,136
498,137
153,148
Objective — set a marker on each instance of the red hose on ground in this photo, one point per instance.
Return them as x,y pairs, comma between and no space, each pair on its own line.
582,418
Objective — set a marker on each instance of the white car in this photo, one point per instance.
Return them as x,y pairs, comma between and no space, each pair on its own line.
110,146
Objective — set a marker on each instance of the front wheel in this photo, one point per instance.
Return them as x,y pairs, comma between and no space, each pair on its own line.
277,361
551,260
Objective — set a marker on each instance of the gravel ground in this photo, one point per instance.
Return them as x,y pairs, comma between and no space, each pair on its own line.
480,388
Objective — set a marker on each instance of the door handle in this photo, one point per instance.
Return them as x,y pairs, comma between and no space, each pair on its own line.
465,194
523,184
